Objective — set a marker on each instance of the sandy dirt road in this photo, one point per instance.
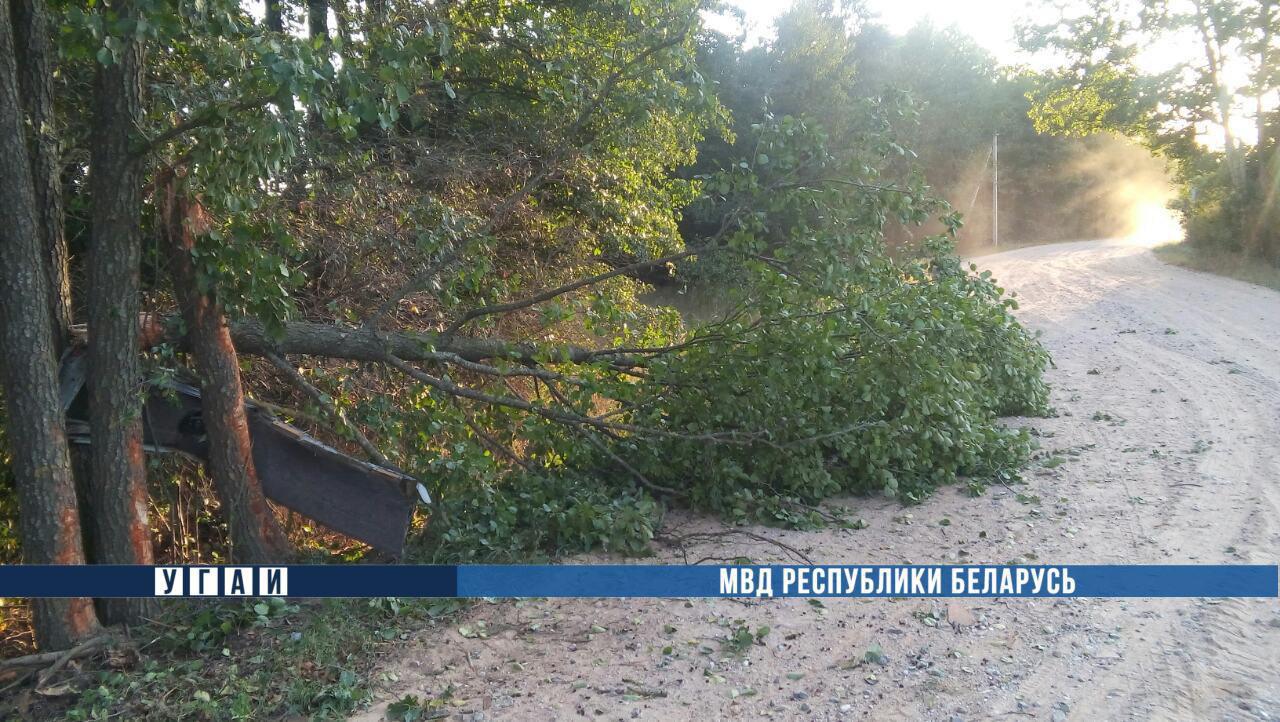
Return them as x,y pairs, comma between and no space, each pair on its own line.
1167,386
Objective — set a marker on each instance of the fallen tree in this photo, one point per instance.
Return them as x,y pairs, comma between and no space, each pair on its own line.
330,340
783,395
421,225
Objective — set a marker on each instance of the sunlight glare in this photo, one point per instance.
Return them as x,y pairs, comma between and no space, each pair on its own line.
1153,224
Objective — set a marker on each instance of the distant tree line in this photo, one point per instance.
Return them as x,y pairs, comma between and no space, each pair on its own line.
830,62
1212,114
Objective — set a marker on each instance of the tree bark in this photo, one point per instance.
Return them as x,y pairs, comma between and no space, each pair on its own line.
35,80
1263,80
256,535
318,27
1261,235
318,18
363,344
119,486
275,16
50,518
1211,38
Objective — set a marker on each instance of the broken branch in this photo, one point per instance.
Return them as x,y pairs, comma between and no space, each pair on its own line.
551,293
55,660
322,400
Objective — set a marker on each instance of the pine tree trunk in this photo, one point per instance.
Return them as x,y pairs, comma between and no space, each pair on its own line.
119,485
50,517
256,534
1264,76
1211,40
318,18
35,80
1262,233
318,28
275,17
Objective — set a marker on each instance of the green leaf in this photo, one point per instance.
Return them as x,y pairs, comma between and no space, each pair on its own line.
874,654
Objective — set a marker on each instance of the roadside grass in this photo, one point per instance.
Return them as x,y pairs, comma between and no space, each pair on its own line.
243,660
1232,265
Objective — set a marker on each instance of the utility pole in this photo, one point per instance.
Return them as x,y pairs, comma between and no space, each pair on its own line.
995,189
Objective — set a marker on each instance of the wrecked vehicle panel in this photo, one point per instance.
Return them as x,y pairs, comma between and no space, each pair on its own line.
364,501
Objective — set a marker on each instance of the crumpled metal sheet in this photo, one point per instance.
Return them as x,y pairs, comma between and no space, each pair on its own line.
352,497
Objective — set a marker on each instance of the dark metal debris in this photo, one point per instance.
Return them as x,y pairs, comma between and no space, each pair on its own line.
350,496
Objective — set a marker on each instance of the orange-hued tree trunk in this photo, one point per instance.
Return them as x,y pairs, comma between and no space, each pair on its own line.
256,535
118,487
50,516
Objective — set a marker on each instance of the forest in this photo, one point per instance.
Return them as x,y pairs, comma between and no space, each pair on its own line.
558,266
1210,116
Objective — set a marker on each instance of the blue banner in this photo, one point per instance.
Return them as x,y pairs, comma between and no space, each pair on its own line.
644,580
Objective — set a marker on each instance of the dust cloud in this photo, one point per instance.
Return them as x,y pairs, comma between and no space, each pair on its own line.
1134,189
1097,188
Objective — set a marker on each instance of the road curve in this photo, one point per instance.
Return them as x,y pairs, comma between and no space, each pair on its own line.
1188,366
1165,448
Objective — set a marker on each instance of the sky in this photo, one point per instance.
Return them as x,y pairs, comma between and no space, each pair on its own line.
989,22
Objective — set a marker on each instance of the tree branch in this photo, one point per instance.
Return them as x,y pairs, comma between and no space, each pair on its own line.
57,658
635,473
453,389
561,290
202,118
327,340
415,284
322,400
564,417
